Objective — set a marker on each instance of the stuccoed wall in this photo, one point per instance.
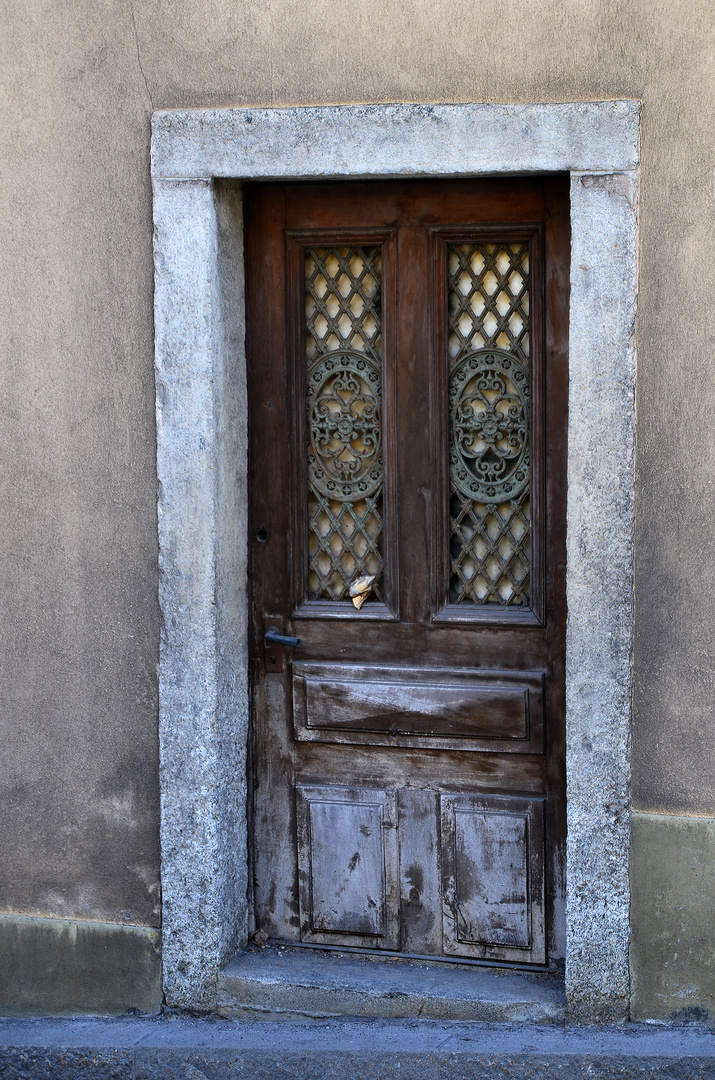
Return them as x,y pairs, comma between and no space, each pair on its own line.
79,615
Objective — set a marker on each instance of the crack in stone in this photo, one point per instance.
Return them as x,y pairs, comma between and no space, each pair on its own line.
139,56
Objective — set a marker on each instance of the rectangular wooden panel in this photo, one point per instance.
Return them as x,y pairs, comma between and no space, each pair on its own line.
347,860
436,708
347,889
493,877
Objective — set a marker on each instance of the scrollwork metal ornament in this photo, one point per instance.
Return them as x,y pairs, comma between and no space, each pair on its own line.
489,419
344,430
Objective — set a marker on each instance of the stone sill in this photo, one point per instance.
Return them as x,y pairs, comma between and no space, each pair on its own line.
299,983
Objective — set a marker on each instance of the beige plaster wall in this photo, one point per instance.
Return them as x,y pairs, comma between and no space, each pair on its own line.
79,617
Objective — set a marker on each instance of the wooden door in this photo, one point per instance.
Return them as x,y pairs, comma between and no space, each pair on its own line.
407,392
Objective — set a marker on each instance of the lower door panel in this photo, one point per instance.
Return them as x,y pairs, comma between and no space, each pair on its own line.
422,872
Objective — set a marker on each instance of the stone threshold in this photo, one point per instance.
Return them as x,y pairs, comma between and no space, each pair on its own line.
298,983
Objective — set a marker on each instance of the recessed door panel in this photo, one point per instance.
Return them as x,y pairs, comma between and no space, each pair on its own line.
347,858
408,382
493,877
435,708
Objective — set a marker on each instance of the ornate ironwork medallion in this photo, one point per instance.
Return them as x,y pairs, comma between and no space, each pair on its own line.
344,396
489,416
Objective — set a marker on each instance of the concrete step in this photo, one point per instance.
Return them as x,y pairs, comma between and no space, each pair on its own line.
293,982
165,1048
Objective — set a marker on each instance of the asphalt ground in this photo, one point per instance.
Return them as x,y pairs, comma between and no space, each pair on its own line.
190,1048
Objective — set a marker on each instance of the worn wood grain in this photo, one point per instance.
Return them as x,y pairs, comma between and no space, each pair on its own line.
436,708
493,877
347,858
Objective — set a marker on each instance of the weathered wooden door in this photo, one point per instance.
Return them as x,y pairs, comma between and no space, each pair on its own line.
407,394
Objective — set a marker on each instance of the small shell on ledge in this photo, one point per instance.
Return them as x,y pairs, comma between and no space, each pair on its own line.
360,590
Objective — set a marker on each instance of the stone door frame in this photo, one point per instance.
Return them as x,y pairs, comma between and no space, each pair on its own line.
199,158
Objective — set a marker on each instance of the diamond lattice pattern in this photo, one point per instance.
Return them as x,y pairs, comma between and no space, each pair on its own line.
490,546
342,311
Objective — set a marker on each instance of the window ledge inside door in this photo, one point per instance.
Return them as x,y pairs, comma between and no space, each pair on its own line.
284,983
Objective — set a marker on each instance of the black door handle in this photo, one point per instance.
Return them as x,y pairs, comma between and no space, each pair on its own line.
272,635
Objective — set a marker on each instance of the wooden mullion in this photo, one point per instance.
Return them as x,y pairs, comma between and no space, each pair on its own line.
414,452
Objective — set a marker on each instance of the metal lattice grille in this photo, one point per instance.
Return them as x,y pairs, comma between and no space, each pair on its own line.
488,298
489,393
344,381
